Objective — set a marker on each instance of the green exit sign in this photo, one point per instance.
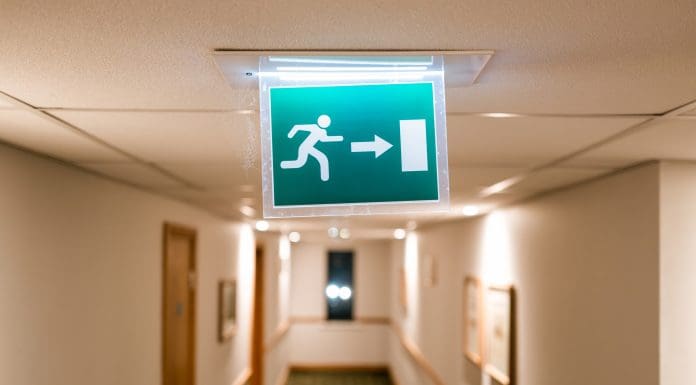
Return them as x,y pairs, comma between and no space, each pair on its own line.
354,149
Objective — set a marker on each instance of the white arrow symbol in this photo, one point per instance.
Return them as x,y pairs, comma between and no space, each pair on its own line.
379,146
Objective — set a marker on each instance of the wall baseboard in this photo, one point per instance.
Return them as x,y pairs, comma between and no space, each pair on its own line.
283,376
243,377
356,321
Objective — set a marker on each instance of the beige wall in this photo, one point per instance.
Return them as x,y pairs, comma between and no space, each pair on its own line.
585,263
80,279
277,302
677,273
340,342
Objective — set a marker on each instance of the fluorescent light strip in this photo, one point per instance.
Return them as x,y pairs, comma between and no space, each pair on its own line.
299,76
310,60
351,69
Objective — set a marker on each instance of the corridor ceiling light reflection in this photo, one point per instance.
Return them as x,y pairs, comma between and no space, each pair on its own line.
262,225
294,237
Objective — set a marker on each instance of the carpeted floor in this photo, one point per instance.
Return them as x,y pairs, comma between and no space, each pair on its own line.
298,377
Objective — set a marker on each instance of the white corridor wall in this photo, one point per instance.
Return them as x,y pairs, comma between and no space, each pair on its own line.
80,279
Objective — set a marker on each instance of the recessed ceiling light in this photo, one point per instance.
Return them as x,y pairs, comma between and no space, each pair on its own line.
399,233
344,234
470,211
333,232
500,115
262,225
294,237
501,186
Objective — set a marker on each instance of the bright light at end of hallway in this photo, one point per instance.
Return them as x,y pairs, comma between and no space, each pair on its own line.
470,211
345,293
294,237
496,250
262,225
332,291
399,234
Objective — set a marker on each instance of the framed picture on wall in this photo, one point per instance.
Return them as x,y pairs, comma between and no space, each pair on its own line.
430,271
227,309
473,321
403,295
500,334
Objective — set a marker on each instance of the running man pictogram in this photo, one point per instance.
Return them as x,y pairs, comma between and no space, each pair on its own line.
317,133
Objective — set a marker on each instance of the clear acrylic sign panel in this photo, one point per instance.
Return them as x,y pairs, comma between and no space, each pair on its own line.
353,135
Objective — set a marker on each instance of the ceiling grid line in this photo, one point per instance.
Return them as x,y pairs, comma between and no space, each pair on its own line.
62,123
509,182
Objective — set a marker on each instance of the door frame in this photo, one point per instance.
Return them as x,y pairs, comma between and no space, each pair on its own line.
258,318
172,229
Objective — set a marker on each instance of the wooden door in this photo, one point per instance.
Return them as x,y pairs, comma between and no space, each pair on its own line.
257,328
179,306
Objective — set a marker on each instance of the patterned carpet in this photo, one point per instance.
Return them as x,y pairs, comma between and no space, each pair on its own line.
300,377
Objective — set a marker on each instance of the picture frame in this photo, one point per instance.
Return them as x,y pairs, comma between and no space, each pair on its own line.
430,271
227,309
500,334
473,345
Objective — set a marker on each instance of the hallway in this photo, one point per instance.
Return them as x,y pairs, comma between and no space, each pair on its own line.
347,193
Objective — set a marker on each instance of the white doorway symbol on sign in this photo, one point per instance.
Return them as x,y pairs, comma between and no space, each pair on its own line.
414,150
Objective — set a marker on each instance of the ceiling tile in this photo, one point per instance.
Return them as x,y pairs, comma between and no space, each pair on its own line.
554,178
30,131
134,173
159,57
523,141
175,137
216,175
667,139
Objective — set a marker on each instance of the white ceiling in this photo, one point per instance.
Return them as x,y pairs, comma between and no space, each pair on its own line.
144,102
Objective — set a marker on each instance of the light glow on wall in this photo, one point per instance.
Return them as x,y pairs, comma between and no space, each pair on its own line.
284,248
411,267
496,250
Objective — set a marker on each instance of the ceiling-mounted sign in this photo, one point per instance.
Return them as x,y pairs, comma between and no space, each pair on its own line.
353,135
